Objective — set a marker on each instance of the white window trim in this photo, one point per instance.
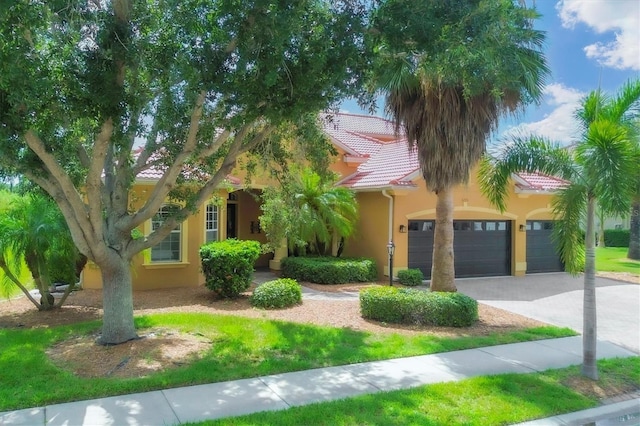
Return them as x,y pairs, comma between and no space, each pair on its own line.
184,258
216,214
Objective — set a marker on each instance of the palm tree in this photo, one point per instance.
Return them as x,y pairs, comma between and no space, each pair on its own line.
310,212
634,228
600,171
33,231
449,70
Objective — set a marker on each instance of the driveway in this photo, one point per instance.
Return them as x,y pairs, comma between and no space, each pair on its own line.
557,299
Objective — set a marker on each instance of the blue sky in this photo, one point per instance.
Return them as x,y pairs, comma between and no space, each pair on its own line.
589,42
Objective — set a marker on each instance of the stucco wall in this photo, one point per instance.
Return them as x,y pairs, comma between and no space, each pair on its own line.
148,275
372,236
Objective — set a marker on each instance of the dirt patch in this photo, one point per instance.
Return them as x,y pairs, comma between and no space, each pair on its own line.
621,276
162,348
157,349
599,389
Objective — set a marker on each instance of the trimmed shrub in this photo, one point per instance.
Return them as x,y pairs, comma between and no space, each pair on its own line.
329,270
410,277
410,306
616,237
280,293
228,265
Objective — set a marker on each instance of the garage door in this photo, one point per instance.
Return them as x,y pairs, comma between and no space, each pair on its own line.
541,250
482,247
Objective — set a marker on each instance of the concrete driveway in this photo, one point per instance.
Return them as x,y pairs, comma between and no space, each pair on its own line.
556,299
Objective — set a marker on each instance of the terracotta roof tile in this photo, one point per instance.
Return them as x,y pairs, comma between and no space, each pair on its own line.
539,182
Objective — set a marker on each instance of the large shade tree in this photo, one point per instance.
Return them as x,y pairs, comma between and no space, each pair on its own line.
449,70
195,83
600,169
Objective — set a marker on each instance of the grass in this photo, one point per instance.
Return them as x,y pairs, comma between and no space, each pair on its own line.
491,400
614,259
241,348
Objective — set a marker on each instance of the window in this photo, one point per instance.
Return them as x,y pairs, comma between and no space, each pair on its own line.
211,223
168,250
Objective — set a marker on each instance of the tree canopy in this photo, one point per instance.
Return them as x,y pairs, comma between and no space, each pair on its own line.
192,84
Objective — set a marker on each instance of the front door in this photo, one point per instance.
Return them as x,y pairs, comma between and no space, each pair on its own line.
232,223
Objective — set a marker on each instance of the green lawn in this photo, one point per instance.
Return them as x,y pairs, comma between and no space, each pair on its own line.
483,401
614,259
240,348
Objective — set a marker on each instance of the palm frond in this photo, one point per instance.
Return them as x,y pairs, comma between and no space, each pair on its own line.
606,156
533,154
569,207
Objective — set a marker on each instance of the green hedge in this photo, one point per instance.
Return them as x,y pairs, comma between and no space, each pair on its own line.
411,277
329,270
280,293
616,237
228,265
411,306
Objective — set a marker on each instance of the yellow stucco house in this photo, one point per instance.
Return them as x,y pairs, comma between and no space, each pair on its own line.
394,206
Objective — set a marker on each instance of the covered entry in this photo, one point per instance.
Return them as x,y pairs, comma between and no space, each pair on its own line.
541,250
482,247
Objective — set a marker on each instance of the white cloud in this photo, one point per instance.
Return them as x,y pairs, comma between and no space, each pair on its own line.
622,17
559,125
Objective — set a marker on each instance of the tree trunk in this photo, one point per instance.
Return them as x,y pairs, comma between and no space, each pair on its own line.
601,242
443,269
589,316
634,231
117,300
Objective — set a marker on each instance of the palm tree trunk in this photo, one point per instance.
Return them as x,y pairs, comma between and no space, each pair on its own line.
117,298
443,270
589,315
634,231
601,242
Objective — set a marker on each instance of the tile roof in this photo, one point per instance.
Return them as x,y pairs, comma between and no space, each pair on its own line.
384,157
390,162
538,182
154,173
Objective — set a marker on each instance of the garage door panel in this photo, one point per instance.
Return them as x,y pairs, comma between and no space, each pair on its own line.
481,248
541,250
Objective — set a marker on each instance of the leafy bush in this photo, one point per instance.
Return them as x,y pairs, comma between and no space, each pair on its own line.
410,306
616,237
280,293
410,277
228,265
329,270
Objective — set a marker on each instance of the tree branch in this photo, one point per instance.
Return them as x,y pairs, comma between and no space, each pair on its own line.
61,188
93,183
169,177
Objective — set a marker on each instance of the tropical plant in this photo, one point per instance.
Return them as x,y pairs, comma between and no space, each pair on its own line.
310,212
449,70
197,83
600,171
33,231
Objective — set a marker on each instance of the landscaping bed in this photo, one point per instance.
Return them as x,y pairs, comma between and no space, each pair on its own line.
162,349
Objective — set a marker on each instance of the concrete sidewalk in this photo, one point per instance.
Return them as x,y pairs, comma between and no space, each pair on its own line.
281,391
